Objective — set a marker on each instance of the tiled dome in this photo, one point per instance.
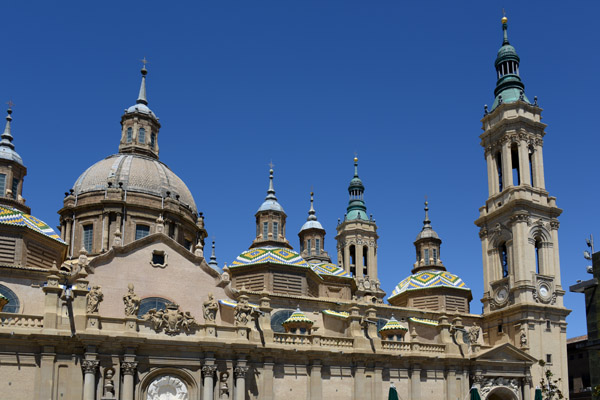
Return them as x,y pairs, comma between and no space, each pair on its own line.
138,174
429,279
11,216
268,254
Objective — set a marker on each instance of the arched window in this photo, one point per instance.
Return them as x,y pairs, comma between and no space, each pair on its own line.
152,139
426,256
435,256
129,134
504,259
149,303
352,260
499,169
317,246
142,136
13,304
365,259
278,318
538,246
141,231
275,230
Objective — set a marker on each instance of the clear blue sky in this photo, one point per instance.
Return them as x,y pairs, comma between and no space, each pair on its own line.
306,84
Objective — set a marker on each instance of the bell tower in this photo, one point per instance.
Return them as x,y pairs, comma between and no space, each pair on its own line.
523,295
357,234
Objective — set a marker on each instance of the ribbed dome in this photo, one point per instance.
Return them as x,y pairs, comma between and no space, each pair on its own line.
138,174
427,280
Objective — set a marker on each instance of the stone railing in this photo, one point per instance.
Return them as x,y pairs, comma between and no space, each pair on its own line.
395,345
336,342
432,348
21,320
292,339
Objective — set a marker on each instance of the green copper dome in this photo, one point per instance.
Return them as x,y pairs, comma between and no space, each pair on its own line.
509,87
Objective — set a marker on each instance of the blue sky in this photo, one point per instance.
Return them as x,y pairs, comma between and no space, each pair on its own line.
306,85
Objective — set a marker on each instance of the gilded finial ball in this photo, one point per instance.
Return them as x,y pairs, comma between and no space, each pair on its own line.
355,159
504,20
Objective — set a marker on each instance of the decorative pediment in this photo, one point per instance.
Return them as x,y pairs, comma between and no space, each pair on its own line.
506,353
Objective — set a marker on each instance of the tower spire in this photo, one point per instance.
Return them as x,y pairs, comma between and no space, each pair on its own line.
142,95
271,190
356,205
213,258
311,212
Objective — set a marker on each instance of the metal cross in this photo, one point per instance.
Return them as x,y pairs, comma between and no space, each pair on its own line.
144,61
10,104
503,13
271,165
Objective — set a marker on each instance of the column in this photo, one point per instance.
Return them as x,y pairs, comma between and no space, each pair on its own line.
507,179
267,377
316,389
128,372
68,228
347,258
415,382
358,259
208,371
524,174
240,381
492,173
451,383
105,230
538,164
372,262
46,382
89,378
359,382
378,391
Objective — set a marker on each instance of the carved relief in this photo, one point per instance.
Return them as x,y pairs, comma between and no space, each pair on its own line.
94,298
473,333
90,366
128,367
242,312
167,387
490,384
224,386
171,320
109,385
544,291
131,301
210,308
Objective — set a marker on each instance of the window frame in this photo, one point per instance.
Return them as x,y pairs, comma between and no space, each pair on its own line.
138,230
84,229
142,136
12,297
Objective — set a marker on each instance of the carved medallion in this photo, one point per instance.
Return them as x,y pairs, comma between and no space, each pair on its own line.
167,387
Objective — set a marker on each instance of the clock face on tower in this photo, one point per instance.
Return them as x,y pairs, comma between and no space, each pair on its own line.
502,295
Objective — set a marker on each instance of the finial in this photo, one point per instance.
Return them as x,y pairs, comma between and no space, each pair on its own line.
485,109
142,96
426,222
271,191
312,212
355,165
504,28
6,136
213,257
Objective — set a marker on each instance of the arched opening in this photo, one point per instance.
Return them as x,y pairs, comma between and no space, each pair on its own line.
278,318
538,246
498,158
501,393
353,259
152,303
503,251
365,259
530,156
426,256
514,155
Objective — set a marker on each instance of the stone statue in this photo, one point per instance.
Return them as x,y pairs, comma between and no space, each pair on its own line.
94,297
109,385
223,386
473,333
523,338
210,308
242,312
131,301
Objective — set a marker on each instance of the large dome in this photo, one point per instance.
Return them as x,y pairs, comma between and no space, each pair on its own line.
138,174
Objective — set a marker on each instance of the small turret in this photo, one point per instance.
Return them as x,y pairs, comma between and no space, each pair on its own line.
312,237
427,246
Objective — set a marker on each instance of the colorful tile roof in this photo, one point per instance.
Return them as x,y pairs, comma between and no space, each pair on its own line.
339,314
329,269
429,279
232,304
268,254
11,216
297,317
393,325
424,321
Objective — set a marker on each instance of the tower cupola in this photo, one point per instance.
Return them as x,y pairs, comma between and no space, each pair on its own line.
140,126
312,237
270,220
356,205
427,246
509,87
12,169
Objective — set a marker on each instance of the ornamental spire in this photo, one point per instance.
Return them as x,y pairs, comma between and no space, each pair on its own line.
142,96
356,206
6,136
426,222
213,258
271,191
311,213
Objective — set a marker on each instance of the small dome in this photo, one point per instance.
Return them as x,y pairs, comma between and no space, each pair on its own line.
270,254
138,174
429,279
270,205
427,234
141,108
311,225
392,326
506,52
326,268
297,318
12,216
9,154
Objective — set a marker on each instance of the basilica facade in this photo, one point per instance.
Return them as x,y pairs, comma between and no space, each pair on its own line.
90,312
